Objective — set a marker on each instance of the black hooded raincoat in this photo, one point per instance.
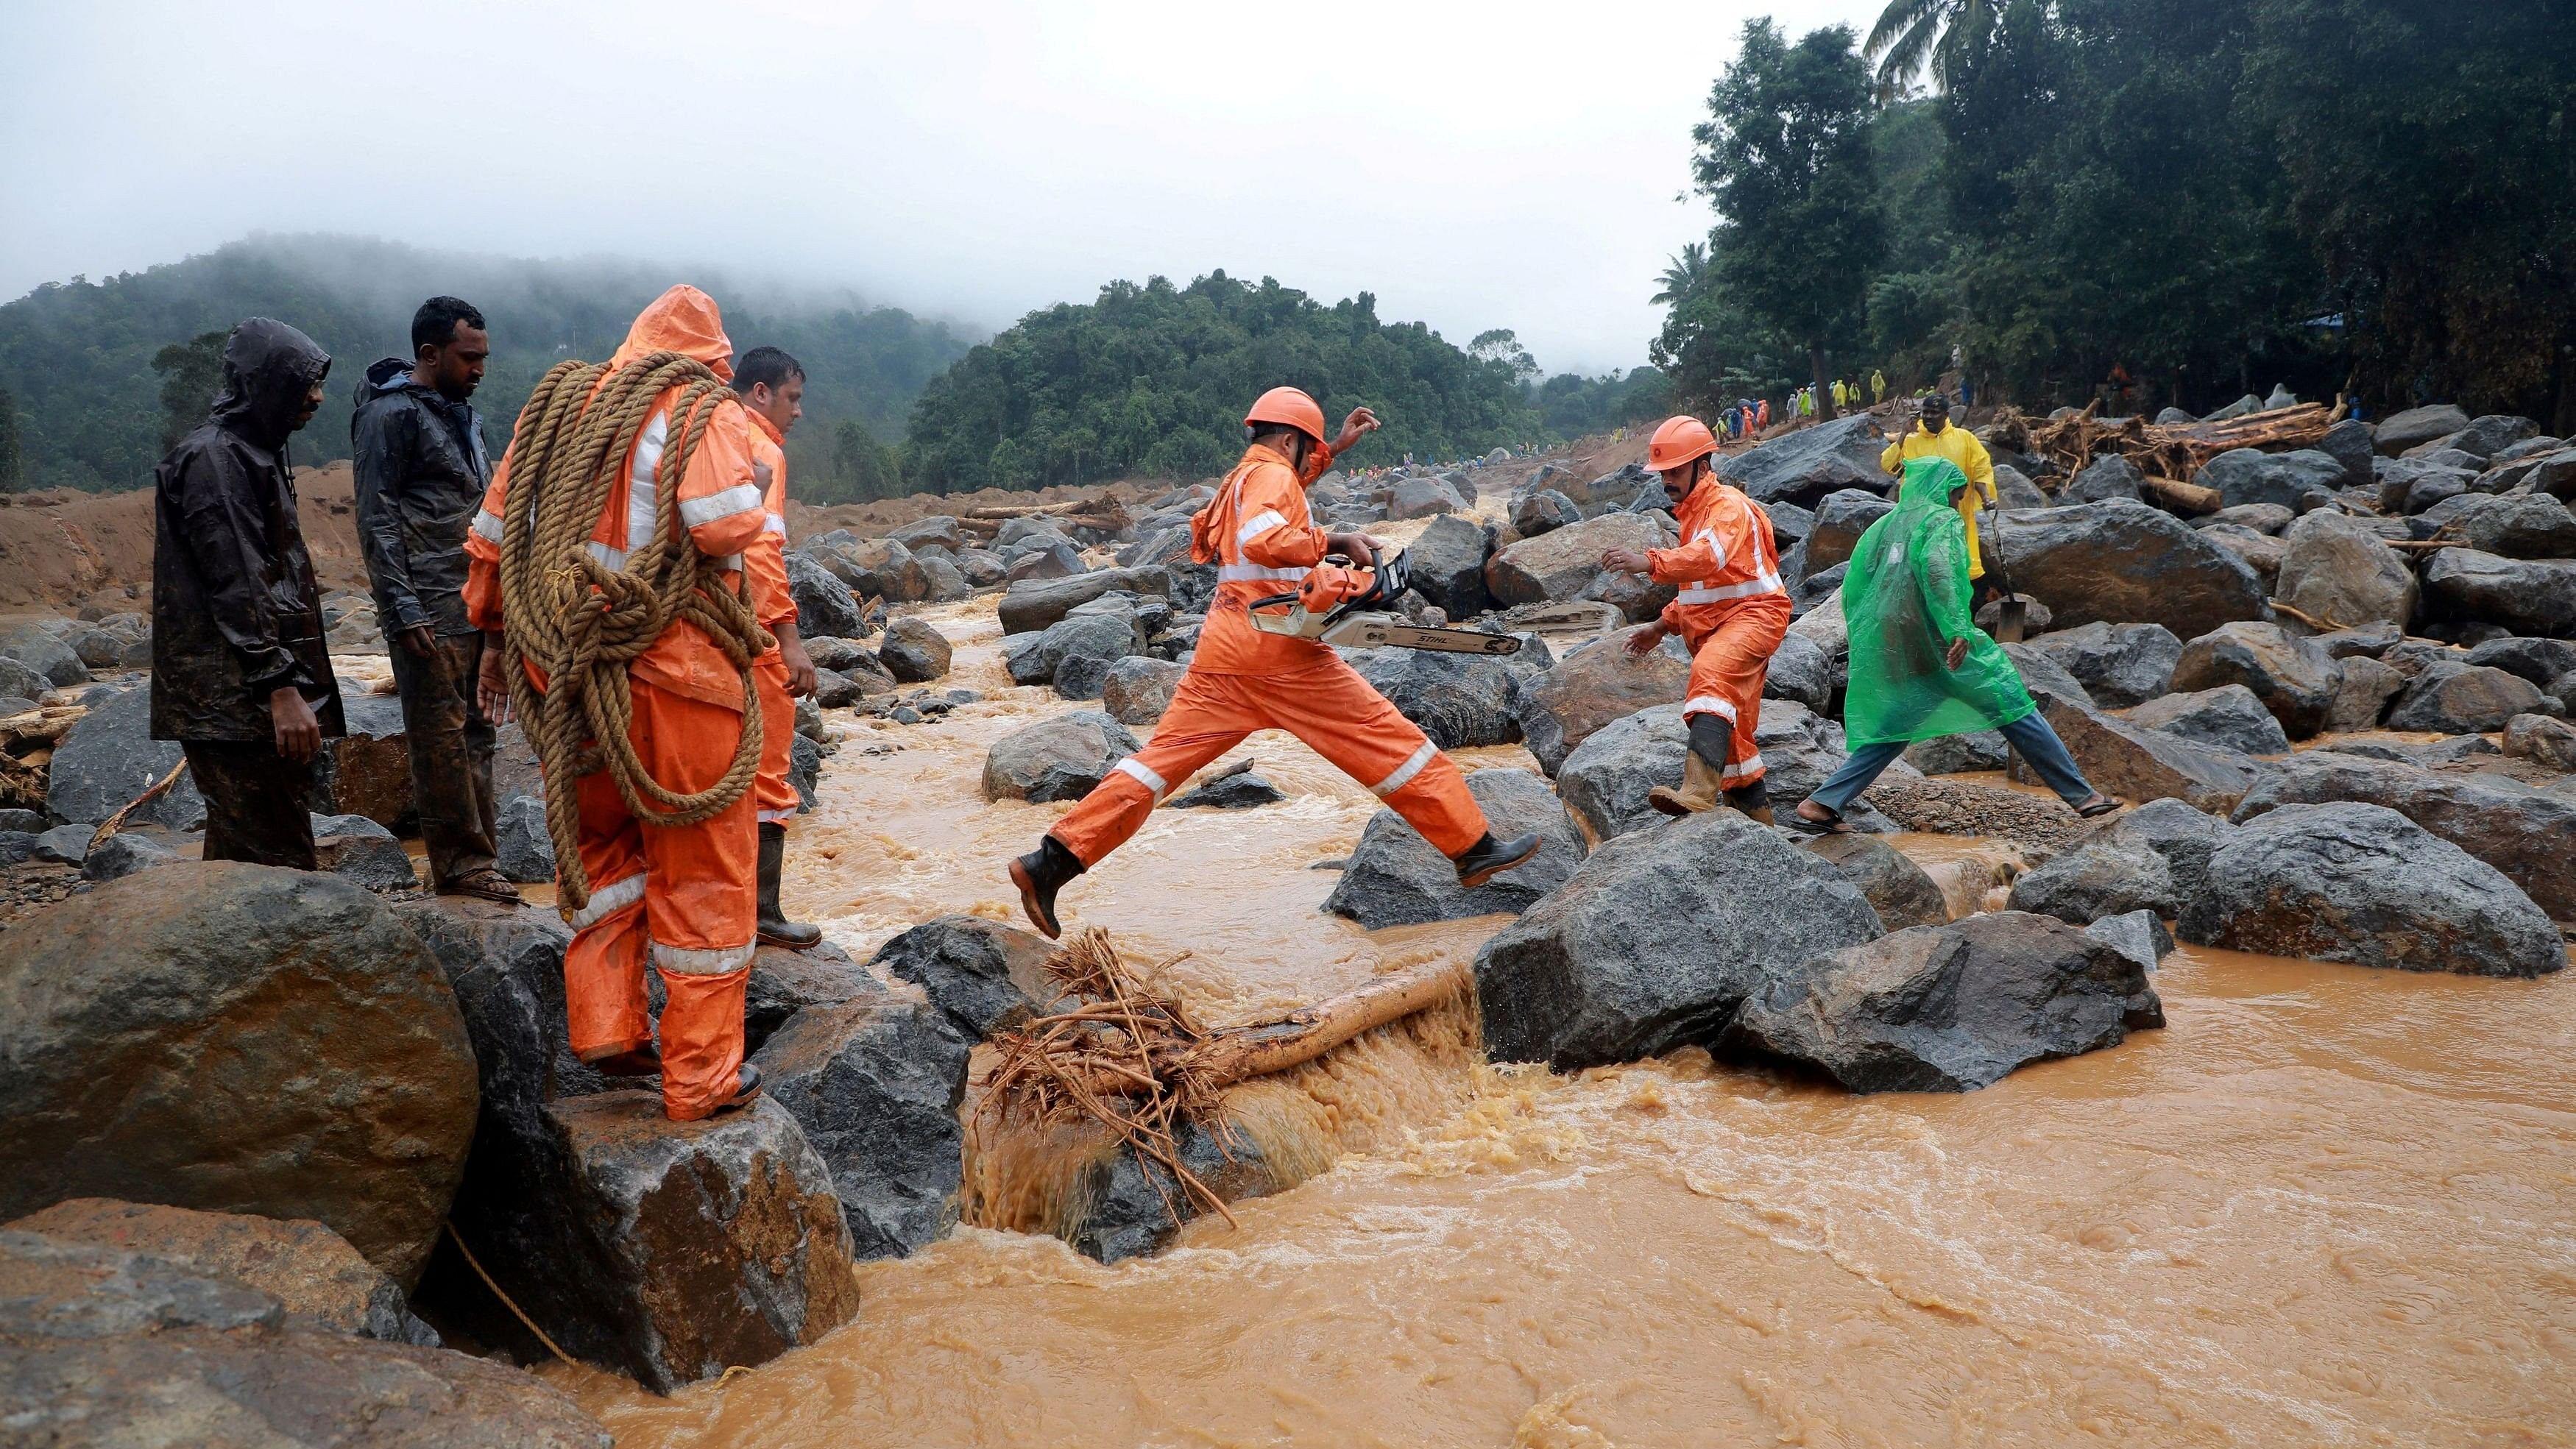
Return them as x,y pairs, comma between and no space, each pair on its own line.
235,610
421,471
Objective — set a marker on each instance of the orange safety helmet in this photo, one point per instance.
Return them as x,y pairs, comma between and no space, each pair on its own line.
1291,406
1678,441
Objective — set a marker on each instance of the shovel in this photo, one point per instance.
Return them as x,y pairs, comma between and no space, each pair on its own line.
2013,611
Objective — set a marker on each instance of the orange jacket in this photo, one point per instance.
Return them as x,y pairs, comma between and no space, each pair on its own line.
719,503
1262,540
765,562
1726,559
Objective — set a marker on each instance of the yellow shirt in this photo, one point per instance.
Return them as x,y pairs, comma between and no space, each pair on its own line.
1961,447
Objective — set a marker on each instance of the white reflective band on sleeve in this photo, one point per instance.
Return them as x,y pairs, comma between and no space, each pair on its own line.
730,561
740,498
1258,525
1708,704
701,961
1702,594
1405,772
640,494
774,524
487,524
1143,776
776,817
1255,573
1752,766
608,900
611,559
1710,535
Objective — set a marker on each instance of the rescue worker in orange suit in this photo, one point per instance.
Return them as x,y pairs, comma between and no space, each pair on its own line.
679,898
1258,533
1732,610
772,387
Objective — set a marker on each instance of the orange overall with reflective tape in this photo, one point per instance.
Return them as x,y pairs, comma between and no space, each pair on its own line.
1732,610
764,563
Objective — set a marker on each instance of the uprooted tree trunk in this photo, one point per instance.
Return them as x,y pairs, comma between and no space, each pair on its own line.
1131,1059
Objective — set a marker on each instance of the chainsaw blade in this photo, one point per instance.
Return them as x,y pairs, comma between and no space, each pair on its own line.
1378,631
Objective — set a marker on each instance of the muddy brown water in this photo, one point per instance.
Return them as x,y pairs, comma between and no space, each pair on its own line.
2326,1205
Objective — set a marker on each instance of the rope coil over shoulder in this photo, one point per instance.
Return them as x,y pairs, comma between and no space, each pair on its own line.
580,623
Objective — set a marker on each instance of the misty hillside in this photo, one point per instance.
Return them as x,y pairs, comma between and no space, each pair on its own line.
76,357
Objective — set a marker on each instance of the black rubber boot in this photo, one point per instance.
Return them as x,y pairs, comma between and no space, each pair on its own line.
746,1090
1753,800
1039,875
1488,858
774,928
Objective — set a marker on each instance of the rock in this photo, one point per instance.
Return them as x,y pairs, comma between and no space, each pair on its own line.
1058,758
889,571
1099,639
2226,718
40,651
1959,754
1396,878
1658,939
1242,790
123,854
2120,562
1951,1008
2102,877
19,682
109,757
2525,596
63,845
2293,676
527,851
2138,935
2109,476
1447,564
939,529
1605,779
367,771
858,678
1034,604
2334,568
2013,488
2363,688
875,1085
2361,883
1538,512
1593,686
238,1038
1560,565
914,651
318,1280
1841,518
2140,764
2297,481
2042,674
1137,689
2349,442
983,568
2118,664
691,1246
2553,474
2409,487
1054,559
2401,431
1422,498
2462,699
1459,700
983,975
1800,671
825,607
363,853
2483,438
2265,518
2237,409
2172,415
1811,462
2522,832
1896,887
2542,740
2515,525
2542,661
2260,553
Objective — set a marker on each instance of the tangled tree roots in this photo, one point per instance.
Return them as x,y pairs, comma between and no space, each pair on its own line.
1124,1056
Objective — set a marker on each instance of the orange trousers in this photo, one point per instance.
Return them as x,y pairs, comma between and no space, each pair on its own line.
774,798
1730,659
1327,705
679,897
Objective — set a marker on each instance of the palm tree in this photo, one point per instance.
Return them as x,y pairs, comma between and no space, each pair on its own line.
1684,276
1910,33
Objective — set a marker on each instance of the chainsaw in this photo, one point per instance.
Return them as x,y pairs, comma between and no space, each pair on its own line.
1343,603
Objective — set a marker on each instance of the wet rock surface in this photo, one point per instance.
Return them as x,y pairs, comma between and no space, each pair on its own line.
1562,564
982,974
2140,764
1459,700
2122,562
1593,686
1897,888
2227,718
914,652
875,1085
1239,790
2293,677
109,757
2520,831
1058,758
1396,878
1034,604
1137,689
2102,877
2118,664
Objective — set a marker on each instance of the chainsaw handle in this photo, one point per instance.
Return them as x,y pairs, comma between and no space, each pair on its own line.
1272,601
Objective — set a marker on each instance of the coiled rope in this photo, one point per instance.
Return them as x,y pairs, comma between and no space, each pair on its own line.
581,623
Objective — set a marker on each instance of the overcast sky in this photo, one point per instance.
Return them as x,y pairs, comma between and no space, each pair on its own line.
1473,165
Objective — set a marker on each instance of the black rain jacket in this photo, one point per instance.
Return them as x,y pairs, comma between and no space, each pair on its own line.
421,471
235,611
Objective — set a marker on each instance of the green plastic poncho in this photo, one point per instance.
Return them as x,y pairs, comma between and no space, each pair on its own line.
1905,598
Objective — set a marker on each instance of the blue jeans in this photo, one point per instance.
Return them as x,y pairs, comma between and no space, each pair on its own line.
2029,734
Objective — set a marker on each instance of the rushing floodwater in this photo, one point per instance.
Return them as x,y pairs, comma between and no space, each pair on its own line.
2326,1205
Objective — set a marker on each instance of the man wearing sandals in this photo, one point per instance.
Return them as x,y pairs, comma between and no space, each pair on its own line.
1919,666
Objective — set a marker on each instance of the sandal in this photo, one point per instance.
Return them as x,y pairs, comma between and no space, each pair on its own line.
1830,825
2100,804
485,885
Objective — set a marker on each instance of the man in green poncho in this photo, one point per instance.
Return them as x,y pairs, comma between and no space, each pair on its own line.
1919,666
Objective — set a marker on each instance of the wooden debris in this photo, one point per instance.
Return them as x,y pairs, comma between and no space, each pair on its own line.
2166,451
27,748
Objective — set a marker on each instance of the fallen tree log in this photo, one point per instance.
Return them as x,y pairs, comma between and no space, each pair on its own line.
2171,451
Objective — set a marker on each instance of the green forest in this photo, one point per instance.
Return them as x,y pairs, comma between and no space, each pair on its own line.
95,375
2215,195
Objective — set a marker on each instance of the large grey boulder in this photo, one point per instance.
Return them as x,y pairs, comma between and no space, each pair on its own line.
2226,718
1447,565
1658,939
2106,477
939,528
44,652
985,976
2483,437
2102,877
1951,1008
2534,737
1562,564
1596,684
2518,830
2453,699
2293,676
2041,673
1542,511
1459,700
108,757
2185,837
1058,758
914,651
2121,562
239,1038
2511,525
825,607
2349,442
1137,689
2141,764
363,853
2361,883
527,849
2118,664
1841,518
1812,462
1033,604
2398,432
1897,888
1396,878
1422,498
2363,688
2333,567
2526,596
1076,652
1800,670
2542,661
2298,481
1604,781
875,1085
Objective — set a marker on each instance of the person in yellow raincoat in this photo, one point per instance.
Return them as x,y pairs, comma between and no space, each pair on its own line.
1935,437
